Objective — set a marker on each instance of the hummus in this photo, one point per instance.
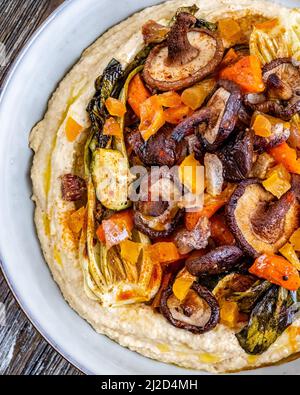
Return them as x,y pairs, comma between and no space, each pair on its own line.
136,326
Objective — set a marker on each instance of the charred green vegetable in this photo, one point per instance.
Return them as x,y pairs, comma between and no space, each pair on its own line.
106,86
269,319
246,300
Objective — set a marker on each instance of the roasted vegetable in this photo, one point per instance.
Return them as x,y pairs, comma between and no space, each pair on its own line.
109,278
248,298
259,223
195,96
237,157
181,62
116,229
286,155
269,319
213,174
106,85
155,189
182,284
137,93
198,313
191,175
110,176
224,107
160,149
73,129
195,239
247,73
73,188
276,270
220,260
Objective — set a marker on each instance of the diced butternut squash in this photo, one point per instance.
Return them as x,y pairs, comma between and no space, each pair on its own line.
262,126
115,107
182,284
229,29
290,254
112,128
76,220
152,117
73,129
267,25
130,251
276,185
116,229
229,314
164,252
175,115
170,99
295,240
230,58
191,174
195,96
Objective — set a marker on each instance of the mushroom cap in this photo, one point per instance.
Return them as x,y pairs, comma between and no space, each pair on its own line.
285,70
166,77
255,233
198,313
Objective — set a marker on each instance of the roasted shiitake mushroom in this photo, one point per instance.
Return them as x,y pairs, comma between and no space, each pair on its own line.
282,98
217,120
260,223
237,157
219,260
224,106
187,57
198,313
157,213
196,239
160,149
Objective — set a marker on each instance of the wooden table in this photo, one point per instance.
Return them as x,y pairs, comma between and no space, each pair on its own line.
22,349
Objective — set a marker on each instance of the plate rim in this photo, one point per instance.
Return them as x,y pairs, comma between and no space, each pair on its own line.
3,266
9,281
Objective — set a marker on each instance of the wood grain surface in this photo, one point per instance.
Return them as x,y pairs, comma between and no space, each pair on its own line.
22,349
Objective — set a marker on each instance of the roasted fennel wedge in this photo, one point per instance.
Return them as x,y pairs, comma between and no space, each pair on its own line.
109,277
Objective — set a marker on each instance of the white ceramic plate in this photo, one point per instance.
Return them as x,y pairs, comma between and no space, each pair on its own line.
44,61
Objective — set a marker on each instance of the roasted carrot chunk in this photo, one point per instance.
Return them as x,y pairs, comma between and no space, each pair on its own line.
137,93
247,73
277,270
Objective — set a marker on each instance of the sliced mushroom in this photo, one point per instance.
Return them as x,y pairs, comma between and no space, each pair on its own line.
160,149
224,105
259,223
216,121
198,313
157,213
196,239
189,55
220,260
282,78
237,157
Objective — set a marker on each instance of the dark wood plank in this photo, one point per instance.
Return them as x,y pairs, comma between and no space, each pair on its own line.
23,350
